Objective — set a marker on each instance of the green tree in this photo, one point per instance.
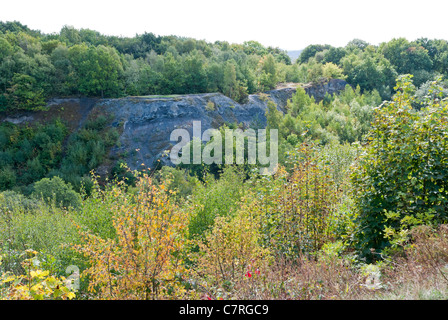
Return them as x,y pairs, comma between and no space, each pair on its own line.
173,77
8,178
55,189
267,73
102,72
409,58
230,82
310,51
98,69
334,55
195,74
403,168
25,93
332,71
370,70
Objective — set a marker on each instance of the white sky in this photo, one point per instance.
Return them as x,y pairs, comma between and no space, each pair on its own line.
287,24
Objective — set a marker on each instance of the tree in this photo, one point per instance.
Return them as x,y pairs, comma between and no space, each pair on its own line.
215,77
70,35
195,74
254,47
310,51
267,73
102,70
63,70
25,93
173,77
332,71
144,260
55,189
357,44
7,178
370,70
401,176
334,55
229,79
409,58
98,69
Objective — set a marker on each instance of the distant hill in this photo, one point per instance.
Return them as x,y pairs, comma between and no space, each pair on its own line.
294,54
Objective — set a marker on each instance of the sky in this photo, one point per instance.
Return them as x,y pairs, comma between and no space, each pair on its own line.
287,24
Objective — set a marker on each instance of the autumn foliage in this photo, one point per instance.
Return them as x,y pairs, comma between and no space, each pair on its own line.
144,260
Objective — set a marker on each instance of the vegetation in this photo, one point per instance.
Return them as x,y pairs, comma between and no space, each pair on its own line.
356,208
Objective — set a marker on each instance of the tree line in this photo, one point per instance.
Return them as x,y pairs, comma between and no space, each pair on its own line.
35,66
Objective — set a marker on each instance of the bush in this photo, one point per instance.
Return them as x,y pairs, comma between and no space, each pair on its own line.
8,178
35,284
231,253
179,180
56,191
144,260
214,198
210,106
403,168
298,207
39,228
11,200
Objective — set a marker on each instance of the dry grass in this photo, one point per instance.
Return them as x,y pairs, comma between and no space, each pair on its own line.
421,273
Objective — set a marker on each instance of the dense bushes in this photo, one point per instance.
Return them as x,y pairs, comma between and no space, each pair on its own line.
55,189
30,153
27,154
341,118
400,179
226,231
144,260
288,236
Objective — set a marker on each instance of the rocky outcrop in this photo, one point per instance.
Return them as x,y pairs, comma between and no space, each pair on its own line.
319,90
146,123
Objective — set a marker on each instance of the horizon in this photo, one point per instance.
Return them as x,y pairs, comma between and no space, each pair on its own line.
272,26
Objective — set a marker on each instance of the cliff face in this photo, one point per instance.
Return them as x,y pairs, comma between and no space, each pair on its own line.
146,123
318,91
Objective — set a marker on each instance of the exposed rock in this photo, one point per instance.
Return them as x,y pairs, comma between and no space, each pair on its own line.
19,119
147,122
318,91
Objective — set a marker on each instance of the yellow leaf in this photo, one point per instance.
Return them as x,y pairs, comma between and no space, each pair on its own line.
71,295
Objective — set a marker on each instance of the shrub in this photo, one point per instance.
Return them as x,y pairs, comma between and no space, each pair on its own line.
11,200
144,260
403,168
210,106
40,228
298,207
231,253
36,284
57,191
214,198
8,178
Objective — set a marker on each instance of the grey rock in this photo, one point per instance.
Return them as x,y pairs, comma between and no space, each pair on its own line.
146,123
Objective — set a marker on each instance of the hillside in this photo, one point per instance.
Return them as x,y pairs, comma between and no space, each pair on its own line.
145,123
340,191
294,54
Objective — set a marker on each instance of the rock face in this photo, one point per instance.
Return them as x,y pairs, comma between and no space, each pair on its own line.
146,123
318,91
